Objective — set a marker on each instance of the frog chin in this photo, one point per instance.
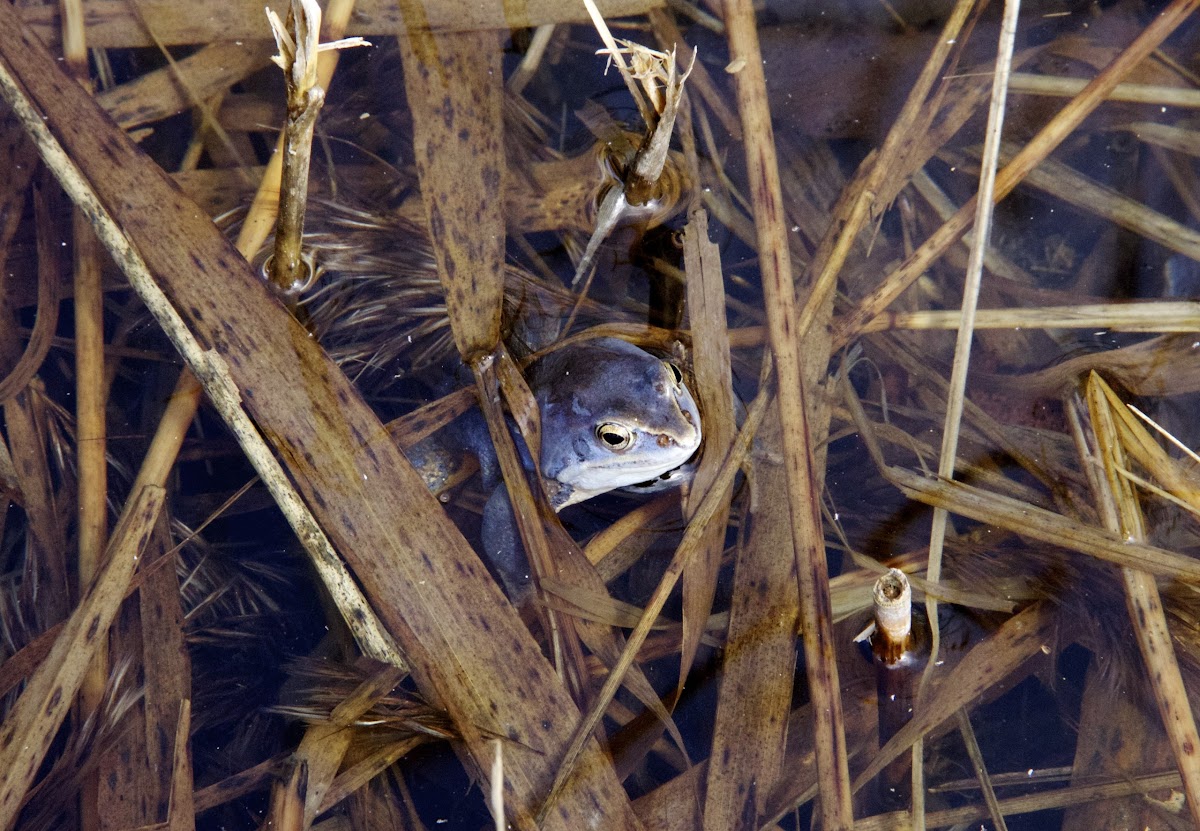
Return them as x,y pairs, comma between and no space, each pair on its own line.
587,479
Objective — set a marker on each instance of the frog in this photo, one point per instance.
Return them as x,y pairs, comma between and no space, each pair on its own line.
613,416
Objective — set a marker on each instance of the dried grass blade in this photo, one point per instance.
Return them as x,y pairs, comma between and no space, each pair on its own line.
1037,523
364,770
25,420
321,750
714,396
174,88
168,681
455,89
28,729
181,810
751,722
286,812
264,373
324,745
1038,148
1141,446
112,23
956,393
1123,516
803,485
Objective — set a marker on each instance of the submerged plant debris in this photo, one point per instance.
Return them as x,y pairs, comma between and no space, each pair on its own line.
250,540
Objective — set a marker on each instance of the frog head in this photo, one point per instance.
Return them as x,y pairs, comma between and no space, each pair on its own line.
613,415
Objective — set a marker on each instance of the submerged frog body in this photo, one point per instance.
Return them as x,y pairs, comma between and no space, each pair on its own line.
613,416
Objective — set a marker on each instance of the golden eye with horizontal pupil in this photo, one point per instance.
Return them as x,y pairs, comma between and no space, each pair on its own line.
676,373
614,436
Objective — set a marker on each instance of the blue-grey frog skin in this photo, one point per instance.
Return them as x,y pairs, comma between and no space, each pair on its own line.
613,416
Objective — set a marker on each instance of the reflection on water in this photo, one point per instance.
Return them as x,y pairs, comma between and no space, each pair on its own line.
1091,266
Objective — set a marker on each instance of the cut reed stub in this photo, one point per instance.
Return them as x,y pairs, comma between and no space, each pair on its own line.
893,617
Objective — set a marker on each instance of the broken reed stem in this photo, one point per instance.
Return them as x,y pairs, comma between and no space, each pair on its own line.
289,272
263,209
1047,139
892,597
803,485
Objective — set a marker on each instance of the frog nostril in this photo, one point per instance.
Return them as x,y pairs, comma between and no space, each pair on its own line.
664,440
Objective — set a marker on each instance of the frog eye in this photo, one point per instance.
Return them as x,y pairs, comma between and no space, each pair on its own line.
614,436
676,373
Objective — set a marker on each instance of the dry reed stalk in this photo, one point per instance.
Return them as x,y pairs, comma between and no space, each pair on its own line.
30,726
962,354
90,430
1039,524
1122,515
1149,316
1153,94
803,486
263,210
1038,148
1013,806
298,43
115,24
